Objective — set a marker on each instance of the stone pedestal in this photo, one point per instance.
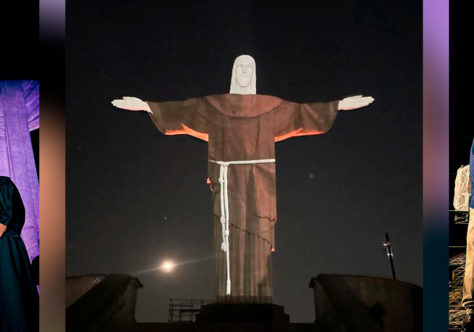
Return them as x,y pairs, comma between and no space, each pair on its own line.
103,304
369,304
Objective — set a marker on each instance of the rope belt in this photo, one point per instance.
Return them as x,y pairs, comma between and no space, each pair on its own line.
224,196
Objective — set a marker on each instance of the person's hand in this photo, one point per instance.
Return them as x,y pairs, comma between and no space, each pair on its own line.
131,104
354,102
3,228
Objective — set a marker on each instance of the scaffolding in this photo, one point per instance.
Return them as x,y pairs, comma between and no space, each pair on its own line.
184,310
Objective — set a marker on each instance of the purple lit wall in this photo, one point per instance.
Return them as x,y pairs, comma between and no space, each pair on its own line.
19,114
435,163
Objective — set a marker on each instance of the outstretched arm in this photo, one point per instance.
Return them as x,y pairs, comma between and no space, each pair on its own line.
301,119
352,103
131,104
171,117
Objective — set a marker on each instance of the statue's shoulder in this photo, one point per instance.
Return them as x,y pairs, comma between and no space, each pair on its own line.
235,96
238,105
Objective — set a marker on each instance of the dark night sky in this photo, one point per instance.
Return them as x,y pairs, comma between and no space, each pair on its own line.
461,71
135,196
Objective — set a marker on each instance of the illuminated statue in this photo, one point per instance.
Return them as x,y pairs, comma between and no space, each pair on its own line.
241,128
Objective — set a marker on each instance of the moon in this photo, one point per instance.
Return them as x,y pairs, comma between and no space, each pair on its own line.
167,266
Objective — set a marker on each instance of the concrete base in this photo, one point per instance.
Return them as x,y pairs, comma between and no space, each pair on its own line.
220,327
360,303
261,313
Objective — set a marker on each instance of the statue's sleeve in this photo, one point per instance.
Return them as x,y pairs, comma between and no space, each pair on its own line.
180,117
295,119
31,96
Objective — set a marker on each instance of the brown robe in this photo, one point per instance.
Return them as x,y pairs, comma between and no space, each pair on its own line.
244,127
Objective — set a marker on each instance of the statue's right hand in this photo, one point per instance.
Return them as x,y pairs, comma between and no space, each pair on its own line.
131,104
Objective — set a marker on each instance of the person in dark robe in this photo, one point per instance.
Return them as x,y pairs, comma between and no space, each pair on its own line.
19,307
19,114
241,129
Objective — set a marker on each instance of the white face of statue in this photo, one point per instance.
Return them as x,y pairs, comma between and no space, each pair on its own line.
243,75
244,72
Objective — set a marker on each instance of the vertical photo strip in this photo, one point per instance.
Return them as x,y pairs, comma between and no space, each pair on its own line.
19,205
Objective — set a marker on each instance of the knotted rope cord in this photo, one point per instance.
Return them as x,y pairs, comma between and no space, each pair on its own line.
224,196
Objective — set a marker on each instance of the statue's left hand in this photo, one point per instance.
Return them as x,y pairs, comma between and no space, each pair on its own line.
131,104
3,228
354,102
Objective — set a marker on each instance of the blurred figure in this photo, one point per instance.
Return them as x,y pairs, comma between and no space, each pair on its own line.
19,307
468,289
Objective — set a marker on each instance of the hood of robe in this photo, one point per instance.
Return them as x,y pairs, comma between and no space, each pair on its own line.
244,106
4,179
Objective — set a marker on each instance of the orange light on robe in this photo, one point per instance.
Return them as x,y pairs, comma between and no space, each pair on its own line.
188,131
296,133
205,137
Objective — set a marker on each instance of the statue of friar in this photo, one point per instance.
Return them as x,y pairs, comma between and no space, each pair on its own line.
241,128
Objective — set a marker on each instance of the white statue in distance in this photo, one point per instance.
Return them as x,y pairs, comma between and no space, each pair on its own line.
245,222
